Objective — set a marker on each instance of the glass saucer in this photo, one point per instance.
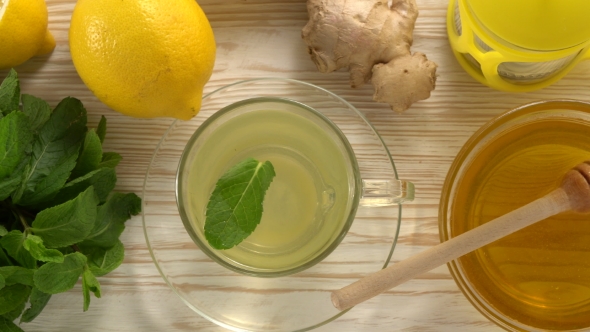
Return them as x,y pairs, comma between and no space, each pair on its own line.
297,302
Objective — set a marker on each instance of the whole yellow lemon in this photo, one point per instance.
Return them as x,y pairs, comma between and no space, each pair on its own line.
23,31
143,58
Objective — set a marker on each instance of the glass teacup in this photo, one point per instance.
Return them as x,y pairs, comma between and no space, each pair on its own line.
311,203
206,279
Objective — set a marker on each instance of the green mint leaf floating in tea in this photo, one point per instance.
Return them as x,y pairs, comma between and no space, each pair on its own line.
235,206
59,219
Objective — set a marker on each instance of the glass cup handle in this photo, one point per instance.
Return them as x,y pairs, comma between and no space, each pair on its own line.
379,192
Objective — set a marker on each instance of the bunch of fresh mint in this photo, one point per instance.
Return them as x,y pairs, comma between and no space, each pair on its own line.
59,220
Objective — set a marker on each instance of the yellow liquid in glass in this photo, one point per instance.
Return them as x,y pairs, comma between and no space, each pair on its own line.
540,275
308,202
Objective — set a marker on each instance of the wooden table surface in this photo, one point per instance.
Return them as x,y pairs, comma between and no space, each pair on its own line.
261,38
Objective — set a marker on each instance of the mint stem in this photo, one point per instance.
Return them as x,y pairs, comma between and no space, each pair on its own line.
22,220
17,213
28,213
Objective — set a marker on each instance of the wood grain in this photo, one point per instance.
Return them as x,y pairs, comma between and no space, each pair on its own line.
261,38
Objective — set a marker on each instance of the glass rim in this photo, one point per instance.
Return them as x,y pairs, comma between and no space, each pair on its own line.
461,161
354,196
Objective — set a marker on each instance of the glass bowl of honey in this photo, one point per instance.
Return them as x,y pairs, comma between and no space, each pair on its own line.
536,279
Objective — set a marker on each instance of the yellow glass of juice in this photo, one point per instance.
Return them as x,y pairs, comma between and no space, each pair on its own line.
539,277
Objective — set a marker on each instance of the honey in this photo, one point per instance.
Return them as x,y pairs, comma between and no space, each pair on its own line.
539,276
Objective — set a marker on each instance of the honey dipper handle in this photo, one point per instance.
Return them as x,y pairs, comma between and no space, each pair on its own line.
553,203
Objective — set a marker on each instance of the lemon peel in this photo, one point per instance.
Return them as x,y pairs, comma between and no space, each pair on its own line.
23,31
145,59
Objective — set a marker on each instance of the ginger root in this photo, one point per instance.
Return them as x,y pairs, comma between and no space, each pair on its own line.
372,40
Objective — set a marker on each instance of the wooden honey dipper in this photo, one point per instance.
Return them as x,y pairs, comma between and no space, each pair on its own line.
573,194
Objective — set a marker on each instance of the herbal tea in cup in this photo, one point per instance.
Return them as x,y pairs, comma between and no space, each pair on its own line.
311,201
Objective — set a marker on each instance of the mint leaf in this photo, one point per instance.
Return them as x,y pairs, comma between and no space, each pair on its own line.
66,250
8,326
4,260
103,181
54,153
34,245
13,243
90,156
235,206
111,217
101,130
67,223
11,297
53,278
15,143
15,139
17,275
9,184
89,284
38,300
110,159
53,170
12,315
47,187
9,93
37,109
102,261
